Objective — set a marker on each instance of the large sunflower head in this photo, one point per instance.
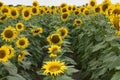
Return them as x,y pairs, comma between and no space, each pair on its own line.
54,68
22,55
14,13
4,54
54,39
53,50
20,26
78,22
4,17
63,31
37,31
65,16
22,42
11,50
35,10
26,13
9,34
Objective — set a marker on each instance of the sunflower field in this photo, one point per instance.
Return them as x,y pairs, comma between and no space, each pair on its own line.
65,42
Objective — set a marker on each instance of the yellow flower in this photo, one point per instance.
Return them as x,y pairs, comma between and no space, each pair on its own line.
54,39
11,50
4,54
76,12
116,10
37,31
63,5
65,16
35,3
64,9
86,12
97,9
22,55
4,17
54,68
20,26
105,5
35,10
63,31
53,50
26,13
1,4
92,3
5,9
9,34
22,42
14,13
78,22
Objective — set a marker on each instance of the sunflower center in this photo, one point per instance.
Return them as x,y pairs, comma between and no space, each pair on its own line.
1,4
97,9
104,7
3,17
65,16
8,33
76,12
5,10
55,39
26,13
34,4
37,31
62,32
92,3
78,22
34,10
13,13
41,11
64,10
2,54
86,12
116,11
54,68
22,42
19,26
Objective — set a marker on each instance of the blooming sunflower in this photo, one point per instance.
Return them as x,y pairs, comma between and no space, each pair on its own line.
54,68
86,12
78,22
92,3
116,10
9,34
1,4
62,5
11,50
22,42
64,9
35,10
54,39
5,10
76,12
4,54
20,26
37,31
35,3
14,13
65,16
4,17
63,31
26,13
22,55
97,9
53,50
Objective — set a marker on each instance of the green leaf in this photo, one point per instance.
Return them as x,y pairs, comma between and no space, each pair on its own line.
116,76
64,77
71,70
15,77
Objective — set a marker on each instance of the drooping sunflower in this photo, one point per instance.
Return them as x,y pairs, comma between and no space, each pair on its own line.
55,39
35,10
37,31
26,13
14,13
65,16
35,3
22,55
4,17
9,34
4,54
54,67
62,31
20,26
53,50
78,22
11,50
22,42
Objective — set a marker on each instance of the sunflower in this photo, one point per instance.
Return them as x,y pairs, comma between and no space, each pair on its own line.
37,31
97,9
65,16
4,17
53,50
22,55
54,67
116,10
11,50
14,13
4,54
78,22
82,9
42,11
86,12
92,3
63,31
1,4
63,5
35,10
35,3
9,34
54,39
5,10
105,5
26,14
76,12
64,9
20,26
69,7
22,42
74,7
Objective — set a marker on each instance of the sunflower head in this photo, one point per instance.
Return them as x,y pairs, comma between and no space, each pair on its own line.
1,4
97,9
37,31
63,31
86,12
4,54
76,12
20,26
92,3
54,68
4,17
53,50
78,22
65,16
34,10
105,5
22,55
64,9
26,13
63,5
14,13
22,42
35,3
116,10
5,10
54,39
9,34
